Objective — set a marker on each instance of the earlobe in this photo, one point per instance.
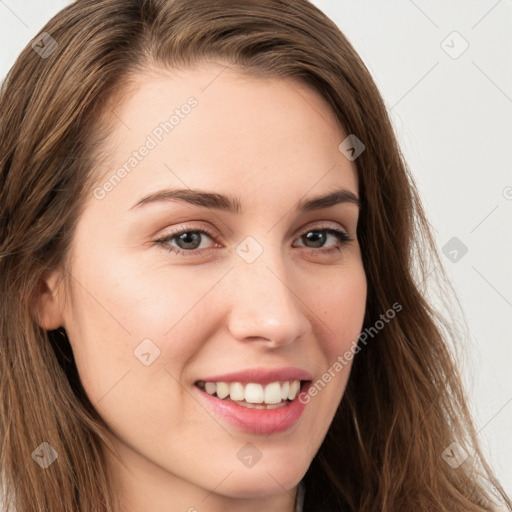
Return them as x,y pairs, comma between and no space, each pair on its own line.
48,302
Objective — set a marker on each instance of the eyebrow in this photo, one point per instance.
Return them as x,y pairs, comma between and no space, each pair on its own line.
232,204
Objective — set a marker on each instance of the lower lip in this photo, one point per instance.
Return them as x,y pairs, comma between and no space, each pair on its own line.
258,421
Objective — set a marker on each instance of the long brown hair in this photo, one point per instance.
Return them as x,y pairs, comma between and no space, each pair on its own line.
404,404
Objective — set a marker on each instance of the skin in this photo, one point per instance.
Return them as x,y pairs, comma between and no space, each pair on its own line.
271,142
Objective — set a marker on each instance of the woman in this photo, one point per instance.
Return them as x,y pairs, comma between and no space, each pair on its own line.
208,289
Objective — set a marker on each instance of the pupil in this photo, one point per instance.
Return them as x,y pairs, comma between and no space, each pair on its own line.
316,234
183,238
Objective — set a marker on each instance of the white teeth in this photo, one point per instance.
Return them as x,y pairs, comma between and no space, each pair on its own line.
294,389
255,393
236,391
285,388
273,393
222,389
210,387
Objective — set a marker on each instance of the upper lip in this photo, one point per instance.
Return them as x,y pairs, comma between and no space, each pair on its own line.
262,375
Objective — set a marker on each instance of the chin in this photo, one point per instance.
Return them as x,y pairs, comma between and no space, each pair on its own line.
266,481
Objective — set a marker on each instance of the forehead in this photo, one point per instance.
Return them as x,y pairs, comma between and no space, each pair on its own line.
215,126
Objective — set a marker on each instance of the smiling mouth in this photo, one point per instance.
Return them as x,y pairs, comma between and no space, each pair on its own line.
254,395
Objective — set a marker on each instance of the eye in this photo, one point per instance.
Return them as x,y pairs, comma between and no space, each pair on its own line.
318,236
189,240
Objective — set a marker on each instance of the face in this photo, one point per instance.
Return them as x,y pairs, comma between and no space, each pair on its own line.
179,296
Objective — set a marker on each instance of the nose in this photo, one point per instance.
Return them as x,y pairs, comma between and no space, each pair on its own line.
264,307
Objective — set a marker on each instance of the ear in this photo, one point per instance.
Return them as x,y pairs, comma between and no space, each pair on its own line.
48,301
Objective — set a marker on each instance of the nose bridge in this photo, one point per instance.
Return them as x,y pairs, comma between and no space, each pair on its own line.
264,305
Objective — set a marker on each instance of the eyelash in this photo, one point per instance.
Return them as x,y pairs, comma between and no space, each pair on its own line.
340,234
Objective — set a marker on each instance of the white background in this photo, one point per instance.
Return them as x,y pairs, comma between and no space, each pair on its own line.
453,119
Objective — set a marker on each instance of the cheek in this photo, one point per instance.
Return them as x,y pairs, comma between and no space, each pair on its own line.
341,307
127,314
